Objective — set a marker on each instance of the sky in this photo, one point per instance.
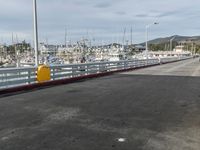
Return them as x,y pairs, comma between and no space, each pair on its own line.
101,21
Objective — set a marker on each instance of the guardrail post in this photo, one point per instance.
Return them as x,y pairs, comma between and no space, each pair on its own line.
159,61
136,64
103,67
124,65
99,69
117,65
87,71
73,74
53,73
6,83
147,62
108,67
142,63
29,77
132,64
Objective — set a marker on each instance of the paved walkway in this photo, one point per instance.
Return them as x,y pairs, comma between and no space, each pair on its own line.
189,67
156,108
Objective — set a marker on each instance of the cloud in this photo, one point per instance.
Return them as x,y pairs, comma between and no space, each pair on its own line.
105,19
142,15
103,5
171,13
120,13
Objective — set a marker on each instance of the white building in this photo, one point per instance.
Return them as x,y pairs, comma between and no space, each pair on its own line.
48,49
179,49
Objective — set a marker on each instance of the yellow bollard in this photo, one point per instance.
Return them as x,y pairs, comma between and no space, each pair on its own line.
43,73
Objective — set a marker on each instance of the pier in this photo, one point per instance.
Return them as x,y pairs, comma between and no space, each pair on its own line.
154,108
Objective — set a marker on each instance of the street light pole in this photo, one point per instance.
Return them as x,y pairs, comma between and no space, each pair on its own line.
147,34
171,40
35,32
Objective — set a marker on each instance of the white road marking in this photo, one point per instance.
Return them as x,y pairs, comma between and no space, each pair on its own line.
121,139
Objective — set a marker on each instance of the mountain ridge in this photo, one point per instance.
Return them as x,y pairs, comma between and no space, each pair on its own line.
177,39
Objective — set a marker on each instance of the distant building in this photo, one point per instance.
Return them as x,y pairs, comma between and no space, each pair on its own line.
3,52
139,48
48,49
179,49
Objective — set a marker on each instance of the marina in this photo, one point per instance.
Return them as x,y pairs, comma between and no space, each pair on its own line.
74,54
15,77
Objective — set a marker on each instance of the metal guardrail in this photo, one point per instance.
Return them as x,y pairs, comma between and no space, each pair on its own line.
76,70
12,77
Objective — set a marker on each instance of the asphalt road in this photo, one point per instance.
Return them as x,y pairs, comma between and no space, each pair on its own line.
150,109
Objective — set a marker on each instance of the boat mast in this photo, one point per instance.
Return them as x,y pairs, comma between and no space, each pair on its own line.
65,37
124,39
131,36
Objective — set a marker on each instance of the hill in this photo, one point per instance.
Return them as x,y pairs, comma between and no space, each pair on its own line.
177,39
191,43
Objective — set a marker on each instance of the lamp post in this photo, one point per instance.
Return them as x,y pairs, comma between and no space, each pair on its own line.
147,34
171,40
35,32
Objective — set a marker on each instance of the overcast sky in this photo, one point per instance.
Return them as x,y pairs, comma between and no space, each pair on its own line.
100,20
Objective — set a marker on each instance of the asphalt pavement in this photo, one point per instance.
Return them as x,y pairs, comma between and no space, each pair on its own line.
156,108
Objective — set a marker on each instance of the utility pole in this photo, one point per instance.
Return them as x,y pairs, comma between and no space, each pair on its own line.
35,32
